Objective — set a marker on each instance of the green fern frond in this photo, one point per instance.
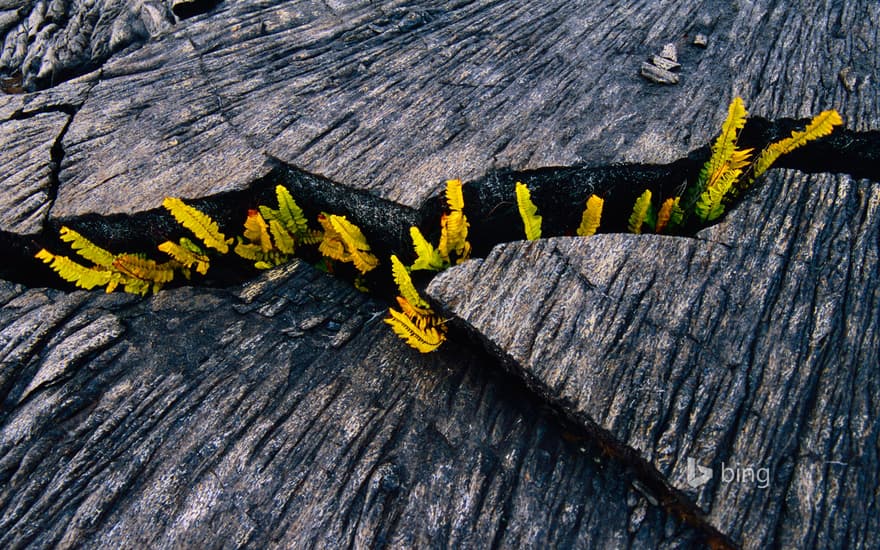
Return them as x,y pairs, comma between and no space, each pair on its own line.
710,205
640,212
724,153
281,238
528,212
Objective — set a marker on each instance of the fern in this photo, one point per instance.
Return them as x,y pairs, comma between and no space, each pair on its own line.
725,156
188,254
257,231
290,216
454,195
670,215
86,248
427,257
405,285
345,242
710,205
528,212
454,226
640,212
202,226
423,338
592,216
282,240
148,272
820,126
80,275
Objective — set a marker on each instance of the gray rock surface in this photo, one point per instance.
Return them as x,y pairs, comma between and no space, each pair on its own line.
47,42
754,345
29,169
282,413
396,98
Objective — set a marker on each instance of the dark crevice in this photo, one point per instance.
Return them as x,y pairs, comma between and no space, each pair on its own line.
559,192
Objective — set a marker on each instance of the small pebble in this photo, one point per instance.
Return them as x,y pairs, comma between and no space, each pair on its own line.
701,40
658,75
669,52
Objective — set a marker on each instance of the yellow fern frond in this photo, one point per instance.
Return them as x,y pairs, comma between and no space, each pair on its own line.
427,257
528,212
454,195
453,237
257,231
80,275
142,268
725,145
725,156
821,125
405,285
454,226
86,248
331,244
188,254
424,339
250,251
592,216
355,243
202,226
640,212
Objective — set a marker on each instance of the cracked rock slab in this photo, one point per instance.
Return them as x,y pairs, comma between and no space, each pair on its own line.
751,349
28,171
209,417
394,99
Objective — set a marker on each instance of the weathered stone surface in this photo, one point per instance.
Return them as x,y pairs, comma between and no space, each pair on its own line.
281,413
754,345
27,171
396,98
45,43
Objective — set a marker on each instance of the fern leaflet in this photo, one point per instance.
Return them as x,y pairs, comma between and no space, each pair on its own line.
188,253
86,248
424,339
640,212
821,125
80,275
528,212
405,285
592,216
427,257
202,226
